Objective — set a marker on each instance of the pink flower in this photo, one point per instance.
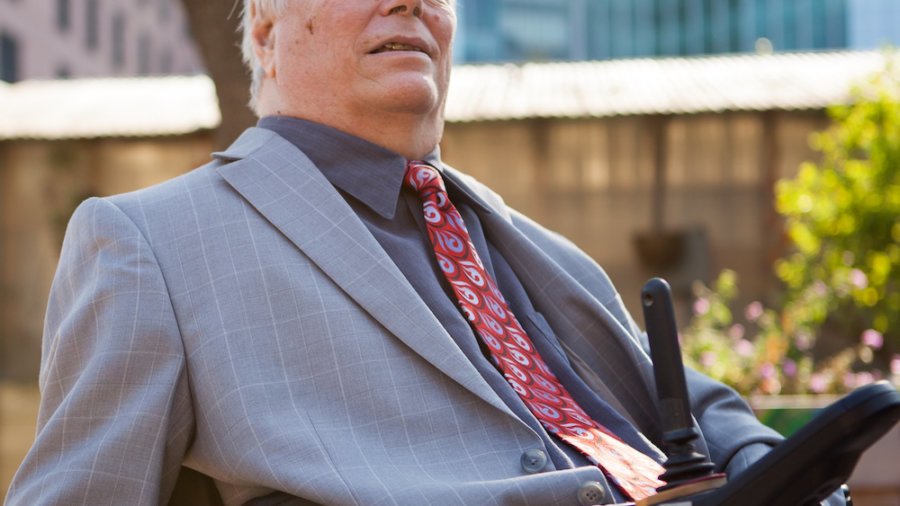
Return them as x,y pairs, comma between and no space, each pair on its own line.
754,311
895,365
744,348
767,370
817,383
789,367
701,306
708,359
858,279
803,342
849,380
873,339
736,331
864,378
819,289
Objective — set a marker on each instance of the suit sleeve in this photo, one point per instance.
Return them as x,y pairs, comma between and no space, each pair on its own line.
115,416
734,437
729,427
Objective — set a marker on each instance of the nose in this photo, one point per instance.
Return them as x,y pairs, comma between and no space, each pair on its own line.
404,7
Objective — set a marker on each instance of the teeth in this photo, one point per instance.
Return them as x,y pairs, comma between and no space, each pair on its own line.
396,46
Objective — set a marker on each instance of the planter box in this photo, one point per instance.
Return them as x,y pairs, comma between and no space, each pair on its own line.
787,413
876,479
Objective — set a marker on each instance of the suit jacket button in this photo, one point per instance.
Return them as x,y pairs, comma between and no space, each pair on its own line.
534,461
591,493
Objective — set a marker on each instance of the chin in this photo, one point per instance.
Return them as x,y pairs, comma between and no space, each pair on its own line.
413,97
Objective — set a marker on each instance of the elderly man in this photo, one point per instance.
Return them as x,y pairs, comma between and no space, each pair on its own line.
327,314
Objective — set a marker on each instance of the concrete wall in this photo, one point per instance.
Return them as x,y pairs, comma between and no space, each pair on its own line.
41,183
593,181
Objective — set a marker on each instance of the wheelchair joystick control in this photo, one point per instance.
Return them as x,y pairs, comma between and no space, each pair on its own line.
686,470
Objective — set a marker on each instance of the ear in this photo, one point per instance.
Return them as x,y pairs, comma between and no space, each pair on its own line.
262,33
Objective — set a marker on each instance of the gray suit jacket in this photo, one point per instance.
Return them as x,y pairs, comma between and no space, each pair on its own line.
242,321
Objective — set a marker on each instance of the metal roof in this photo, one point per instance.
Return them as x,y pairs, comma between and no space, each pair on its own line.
786,81
177,105
111,107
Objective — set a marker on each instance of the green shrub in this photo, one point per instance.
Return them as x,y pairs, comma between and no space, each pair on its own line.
841,275
842,218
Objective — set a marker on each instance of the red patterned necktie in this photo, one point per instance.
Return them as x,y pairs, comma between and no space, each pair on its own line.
512,350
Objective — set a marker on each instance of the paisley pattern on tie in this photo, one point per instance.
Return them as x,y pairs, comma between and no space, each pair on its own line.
512,350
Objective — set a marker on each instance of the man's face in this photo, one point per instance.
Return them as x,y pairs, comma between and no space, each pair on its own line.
352,57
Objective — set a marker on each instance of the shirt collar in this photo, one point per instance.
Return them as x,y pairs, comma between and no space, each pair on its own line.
370,173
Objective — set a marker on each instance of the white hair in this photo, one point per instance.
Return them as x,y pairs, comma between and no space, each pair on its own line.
255,9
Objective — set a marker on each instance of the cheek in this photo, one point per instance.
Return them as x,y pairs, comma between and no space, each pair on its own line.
306,52
290,40
443,26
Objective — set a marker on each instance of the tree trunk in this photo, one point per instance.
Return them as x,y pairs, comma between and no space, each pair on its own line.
214,26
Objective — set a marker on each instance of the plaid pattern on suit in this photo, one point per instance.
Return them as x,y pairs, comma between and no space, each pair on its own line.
242,321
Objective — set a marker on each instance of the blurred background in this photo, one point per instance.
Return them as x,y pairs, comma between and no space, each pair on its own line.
747,150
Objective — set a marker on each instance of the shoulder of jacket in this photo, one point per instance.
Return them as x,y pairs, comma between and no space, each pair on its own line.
491,198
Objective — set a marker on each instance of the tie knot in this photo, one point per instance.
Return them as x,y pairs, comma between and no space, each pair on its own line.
423,178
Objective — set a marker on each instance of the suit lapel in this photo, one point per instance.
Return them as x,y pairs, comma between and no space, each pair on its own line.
587,328
286,188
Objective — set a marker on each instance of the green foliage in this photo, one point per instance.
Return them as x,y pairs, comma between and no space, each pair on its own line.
842,274
842,217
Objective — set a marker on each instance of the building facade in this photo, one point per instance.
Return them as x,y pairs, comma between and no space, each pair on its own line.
47,39
530,30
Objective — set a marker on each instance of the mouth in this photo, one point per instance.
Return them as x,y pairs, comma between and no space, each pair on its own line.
400,46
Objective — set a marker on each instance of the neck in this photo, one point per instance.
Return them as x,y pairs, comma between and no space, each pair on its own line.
411,137
409,134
